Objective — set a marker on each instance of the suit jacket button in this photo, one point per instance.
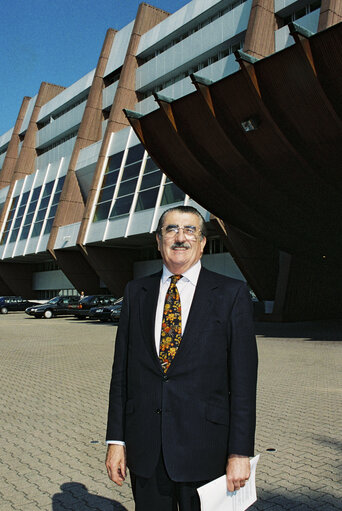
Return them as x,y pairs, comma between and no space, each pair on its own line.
165,377
158,411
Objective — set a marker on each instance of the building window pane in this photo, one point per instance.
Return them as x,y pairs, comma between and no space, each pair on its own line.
48,226
172,194
122,206
36,193
147,199
150,180
106,194
44,202
24,199
60,184
127,187
131,171
150,165
102,211
18,222
41,214
52,211
110,179
135,153
25,231
28,219
37,228
114,161
48,189
14,235
56,198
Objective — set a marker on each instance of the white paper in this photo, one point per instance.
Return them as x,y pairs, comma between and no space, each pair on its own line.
214,496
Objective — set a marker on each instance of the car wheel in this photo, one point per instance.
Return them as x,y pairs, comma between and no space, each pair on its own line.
48,314
3,310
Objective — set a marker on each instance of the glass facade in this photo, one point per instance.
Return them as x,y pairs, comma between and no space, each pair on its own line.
9,220
146,190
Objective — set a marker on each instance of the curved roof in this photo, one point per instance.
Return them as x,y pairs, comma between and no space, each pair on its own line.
280,181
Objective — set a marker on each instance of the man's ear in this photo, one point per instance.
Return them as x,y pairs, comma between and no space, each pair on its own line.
158,241
203,242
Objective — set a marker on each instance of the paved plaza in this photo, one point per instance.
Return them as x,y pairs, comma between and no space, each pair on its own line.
55,376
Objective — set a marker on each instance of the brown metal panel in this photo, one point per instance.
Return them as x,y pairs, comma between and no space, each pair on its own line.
209,144
168,149
298,105
327,55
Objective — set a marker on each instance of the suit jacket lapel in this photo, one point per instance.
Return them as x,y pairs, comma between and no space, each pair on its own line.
148,304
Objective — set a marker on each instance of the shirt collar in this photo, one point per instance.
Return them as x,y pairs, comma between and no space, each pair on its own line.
190,275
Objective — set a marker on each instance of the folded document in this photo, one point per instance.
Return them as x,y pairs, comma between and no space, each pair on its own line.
214,496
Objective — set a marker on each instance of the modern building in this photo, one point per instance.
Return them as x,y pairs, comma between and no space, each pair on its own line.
80,195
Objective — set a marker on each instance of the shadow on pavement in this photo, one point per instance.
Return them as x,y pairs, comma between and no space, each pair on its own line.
305,502
75,497
330,330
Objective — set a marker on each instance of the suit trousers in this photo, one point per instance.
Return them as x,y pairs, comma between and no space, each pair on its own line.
160,493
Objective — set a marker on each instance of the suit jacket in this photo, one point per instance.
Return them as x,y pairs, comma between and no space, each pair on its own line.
203,408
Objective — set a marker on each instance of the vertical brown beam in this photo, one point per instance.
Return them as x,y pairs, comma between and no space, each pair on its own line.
71,205
25,163
125,97
13,147
330,14
259,41
27,157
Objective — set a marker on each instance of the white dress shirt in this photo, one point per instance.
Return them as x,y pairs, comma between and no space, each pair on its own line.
186,288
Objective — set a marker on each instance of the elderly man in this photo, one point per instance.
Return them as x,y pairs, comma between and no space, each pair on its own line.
182,395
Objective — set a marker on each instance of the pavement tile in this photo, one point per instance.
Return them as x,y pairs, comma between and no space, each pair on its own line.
55,376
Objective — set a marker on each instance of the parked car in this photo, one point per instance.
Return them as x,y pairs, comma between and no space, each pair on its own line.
57,306
115,314
14,303
82,309
103,312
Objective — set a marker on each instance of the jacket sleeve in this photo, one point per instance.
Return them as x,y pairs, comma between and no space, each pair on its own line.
243,361
118,385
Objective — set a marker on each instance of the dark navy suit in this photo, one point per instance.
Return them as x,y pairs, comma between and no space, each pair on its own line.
203,409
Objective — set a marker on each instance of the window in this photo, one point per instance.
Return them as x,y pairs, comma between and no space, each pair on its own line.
172,194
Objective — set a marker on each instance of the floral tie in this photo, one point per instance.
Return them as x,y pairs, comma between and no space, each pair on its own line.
171,331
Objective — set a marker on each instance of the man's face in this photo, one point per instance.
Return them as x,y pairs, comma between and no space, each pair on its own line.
178,252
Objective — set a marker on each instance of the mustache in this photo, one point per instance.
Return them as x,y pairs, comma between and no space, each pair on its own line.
180,244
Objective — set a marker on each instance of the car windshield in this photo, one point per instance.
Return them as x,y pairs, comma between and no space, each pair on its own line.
54,300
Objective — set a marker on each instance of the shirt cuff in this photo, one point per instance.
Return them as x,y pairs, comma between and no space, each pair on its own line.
117,442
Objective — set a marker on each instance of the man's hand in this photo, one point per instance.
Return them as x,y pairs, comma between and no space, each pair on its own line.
116,463
238,471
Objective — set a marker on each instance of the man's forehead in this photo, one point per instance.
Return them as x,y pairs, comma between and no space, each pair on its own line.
180,218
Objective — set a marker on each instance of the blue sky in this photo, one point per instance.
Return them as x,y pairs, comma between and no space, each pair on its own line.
56,41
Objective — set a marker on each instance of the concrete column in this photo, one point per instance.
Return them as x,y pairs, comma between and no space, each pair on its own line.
125,97
13,147
259,41
330,14
71,205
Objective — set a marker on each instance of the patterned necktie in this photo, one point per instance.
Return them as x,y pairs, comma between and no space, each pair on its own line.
171,332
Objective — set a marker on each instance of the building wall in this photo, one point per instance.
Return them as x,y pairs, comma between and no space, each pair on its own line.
130,192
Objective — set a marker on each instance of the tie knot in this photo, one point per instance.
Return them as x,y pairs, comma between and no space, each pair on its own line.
175,278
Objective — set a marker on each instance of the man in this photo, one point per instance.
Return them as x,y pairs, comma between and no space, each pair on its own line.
182,395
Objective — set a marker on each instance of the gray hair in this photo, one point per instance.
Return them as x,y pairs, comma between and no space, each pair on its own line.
183,209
